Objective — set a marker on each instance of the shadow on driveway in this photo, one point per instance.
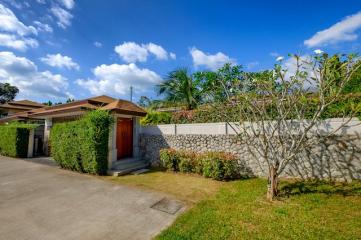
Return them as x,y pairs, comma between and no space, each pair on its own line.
39,201
49,161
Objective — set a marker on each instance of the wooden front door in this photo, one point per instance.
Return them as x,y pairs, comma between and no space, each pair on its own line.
124,138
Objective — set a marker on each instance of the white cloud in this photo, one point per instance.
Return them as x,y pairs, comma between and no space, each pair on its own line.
63,16
157,50
98,44
24,74
172,56
60,61
14,33
290,64
132,52
43,27
41,1
339,32
210,61
10,23
116,79
69,4
17,42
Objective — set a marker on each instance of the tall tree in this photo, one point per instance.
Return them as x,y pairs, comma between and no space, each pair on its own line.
226,82
7,92
144,101
180,86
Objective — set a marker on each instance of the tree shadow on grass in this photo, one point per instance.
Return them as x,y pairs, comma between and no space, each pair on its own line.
288,189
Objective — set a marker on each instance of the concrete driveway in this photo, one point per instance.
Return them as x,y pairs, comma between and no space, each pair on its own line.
43,202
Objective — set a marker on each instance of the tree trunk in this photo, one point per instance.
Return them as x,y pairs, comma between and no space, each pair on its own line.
272,184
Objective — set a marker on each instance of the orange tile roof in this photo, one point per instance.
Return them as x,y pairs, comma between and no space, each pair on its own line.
64,109
22,105
123,106
27,103
102,99
99,102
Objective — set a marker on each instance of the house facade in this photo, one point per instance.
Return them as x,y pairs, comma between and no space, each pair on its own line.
123,137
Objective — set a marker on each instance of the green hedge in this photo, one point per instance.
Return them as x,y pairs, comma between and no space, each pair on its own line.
349,103
218,112
216,165
82,145
14,139
154,118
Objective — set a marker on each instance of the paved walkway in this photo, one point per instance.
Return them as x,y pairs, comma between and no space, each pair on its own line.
38,202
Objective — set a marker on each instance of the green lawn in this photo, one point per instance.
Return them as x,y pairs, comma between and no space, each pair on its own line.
239,210
306,211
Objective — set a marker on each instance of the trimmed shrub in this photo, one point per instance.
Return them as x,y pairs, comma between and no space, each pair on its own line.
206,165
231,167
14,139
169,159
220,166
216,165
82,145
187,162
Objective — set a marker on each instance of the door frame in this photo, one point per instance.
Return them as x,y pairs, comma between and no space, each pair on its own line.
131,140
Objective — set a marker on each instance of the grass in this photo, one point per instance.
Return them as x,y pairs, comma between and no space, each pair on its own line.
306,211
189,188
239,210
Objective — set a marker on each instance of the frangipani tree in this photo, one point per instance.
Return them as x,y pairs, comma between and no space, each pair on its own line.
281,116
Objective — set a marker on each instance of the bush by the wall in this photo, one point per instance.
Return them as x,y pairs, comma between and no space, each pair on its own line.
82,145
187,161
14,139
216,165
169,159
220,165
154,118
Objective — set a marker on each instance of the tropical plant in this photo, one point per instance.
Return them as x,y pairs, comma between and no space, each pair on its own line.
220,85
154,118
352,86
144,101
180,86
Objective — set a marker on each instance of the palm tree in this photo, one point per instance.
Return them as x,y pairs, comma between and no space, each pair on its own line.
179,86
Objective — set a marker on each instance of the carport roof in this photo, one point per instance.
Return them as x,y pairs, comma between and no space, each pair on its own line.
100,102
21,105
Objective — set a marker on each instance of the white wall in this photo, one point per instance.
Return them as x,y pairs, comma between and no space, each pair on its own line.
223,128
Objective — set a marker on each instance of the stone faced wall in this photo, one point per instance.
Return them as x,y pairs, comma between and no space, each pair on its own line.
339,157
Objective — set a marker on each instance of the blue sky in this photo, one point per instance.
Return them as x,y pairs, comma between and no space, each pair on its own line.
55,49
